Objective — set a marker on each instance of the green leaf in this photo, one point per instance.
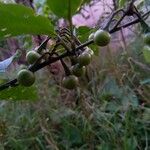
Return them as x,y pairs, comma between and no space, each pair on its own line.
19,93
122,3
95,49
17,19
83,33
60,8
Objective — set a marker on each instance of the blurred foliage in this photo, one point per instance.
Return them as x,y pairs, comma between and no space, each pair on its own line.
23,21
56,7
19,93
110,111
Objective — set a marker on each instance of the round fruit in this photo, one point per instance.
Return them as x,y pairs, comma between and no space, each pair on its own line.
84,59
77,70
25,77
91,36
70,82
147,38
101,37
146,53
32,57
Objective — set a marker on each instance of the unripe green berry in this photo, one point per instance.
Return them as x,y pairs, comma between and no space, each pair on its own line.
102,38
77,70
70,82
84,59
25,77
32,57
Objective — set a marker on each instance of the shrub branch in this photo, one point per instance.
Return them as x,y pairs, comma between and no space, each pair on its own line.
79,46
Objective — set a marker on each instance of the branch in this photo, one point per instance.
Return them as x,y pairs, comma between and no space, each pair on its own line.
129,23
43,45
51,59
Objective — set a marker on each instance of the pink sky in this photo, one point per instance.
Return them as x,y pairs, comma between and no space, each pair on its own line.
92,13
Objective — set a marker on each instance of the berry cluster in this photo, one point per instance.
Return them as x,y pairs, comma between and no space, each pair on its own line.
26,77
82,58
78,69
101,38
71,47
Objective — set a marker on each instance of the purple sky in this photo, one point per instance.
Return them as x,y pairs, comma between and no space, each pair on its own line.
92,14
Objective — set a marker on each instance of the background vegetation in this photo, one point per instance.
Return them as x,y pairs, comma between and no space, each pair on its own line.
109,111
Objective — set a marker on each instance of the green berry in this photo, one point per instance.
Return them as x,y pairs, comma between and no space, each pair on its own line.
84,59
102,38
32,57
25,77
77,70
70,82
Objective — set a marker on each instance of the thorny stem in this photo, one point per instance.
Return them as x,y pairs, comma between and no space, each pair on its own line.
51,59
63,43
112,17
128,11
129,23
